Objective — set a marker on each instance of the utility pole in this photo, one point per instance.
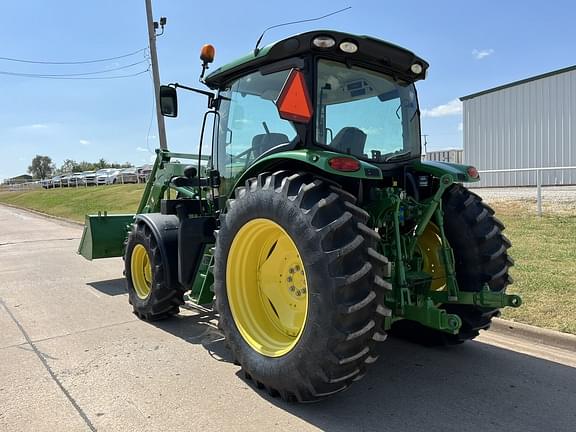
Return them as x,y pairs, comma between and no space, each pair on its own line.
425,143
155,73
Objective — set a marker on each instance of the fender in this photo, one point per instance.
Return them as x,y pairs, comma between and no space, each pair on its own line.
165,231
317,159
438,169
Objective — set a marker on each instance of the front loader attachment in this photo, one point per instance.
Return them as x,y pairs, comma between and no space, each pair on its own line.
104,235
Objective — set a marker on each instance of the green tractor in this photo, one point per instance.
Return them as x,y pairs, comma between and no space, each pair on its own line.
312,225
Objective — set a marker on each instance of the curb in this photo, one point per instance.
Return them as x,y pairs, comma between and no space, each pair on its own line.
44,215
535,334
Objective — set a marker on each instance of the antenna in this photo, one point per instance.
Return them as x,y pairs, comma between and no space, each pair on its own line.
257,50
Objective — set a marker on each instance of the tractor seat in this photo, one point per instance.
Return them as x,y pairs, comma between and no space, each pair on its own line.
264,142
349,140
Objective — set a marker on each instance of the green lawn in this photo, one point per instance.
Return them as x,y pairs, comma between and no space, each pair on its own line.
74,203
543,248
545,271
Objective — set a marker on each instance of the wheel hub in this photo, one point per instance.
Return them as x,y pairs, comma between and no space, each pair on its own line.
267,287
141,271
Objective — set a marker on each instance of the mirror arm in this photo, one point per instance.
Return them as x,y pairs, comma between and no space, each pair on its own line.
211,96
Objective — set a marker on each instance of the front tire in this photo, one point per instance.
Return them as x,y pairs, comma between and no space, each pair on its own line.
150,292
303,222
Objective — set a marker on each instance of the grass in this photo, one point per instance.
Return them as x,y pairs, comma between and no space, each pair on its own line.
74,203
544,248
544,275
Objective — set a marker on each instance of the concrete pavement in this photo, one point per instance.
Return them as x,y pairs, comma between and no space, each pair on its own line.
74,358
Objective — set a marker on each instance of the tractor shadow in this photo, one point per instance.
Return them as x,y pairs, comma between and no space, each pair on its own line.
111,287
470,387
197,326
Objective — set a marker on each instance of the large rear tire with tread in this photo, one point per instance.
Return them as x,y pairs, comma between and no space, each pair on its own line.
344,280
149,290
481,257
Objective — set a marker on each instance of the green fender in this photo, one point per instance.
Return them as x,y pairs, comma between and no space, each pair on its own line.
315,158
438,169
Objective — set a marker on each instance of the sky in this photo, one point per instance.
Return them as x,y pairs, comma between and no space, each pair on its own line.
471,46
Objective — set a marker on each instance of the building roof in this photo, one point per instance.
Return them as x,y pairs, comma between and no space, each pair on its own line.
516,83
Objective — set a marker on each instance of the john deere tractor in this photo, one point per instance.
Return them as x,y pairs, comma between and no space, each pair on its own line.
310,221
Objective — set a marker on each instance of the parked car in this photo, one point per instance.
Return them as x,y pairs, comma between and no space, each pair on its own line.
126,175
56,181
89,178
75,180
144,172
113,176
64,179
102,176
46,183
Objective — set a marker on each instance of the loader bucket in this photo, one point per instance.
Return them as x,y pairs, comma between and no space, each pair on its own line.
104,235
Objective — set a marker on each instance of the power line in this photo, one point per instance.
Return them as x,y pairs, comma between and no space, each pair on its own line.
74,78
74,74
73,62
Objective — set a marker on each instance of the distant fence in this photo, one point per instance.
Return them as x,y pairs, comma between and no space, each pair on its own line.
538,172
15,186
34,185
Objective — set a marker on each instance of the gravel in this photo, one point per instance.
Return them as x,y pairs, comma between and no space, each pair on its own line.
556,199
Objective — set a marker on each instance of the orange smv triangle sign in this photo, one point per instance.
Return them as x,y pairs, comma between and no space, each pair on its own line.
293,103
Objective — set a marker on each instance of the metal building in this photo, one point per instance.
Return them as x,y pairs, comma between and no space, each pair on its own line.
525,124
451,155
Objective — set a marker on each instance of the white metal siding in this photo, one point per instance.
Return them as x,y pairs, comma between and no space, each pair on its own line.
529,125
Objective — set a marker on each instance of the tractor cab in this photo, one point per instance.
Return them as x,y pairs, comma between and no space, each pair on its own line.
349,98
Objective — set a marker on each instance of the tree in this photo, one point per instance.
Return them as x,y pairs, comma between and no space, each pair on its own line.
41,167
68,165
102,163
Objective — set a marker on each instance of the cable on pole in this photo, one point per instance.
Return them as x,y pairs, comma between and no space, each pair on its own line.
72,77
73,62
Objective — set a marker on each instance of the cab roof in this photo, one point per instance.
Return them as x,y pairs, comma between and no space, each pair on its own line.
378,53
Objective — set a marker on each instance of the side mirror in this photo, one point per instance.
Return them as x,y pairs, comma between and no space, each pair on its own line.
168,101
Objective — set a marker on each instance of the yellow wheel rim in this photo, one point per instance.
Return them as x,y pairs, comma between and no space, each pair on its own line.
430,247
141,271
267,287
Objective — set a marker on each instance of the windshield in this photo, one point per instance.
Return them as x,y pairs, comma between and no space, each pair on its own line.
365,113
249,122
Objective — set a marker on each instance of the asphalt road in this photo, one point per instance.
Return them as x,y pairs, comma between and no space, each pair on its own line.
74,358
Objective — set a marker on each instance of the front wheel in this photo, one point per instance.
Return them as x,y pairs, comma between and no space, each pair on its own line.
298,285
150,291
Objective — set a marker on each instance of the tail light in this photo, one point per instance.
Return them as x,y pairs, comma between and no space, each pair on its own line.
344,164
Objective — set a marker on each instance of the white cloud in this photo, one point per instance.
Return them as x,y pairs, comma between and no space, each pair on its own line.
84,142
460,126
453,107
142,149
32,127
480,54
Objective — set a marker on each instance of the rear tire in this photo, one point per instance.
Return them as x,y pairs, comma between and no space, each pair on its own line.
149,291
343,276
